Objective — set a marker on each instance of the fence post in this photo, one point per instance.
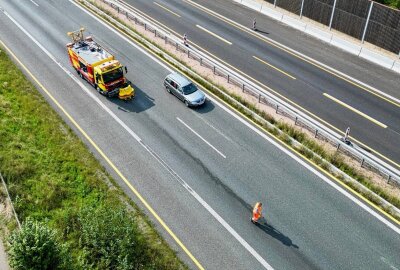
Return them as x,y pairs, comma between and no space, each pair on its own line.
333,12
301,9
12,205
366,23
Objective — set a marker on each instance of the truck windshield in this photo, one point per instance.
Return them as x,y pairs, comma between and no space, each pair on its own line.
113,75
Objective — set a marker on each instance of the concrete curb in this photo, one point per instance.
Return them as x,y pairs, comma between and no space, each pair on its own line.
326,36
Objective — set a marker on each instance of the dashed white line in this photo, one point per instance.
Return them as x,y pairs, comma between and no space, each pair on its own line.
198,135
36,4
213,34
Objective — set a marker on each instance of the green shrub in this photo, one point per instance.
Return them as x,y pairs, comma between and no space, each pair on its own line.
35,246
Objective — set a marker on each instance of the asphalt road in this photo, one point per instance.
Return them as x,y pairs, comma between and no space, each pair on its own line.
312,89
311,224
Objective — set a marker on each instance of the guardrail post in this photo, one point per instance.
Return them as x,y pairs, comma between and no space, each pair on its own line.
155,32
201,61
135,20
316,133
389,176
243,86
214,70
145,26
295,121
228,78
277,108
362,162
118,9
176,45
338,146
165,37
188,53
259,98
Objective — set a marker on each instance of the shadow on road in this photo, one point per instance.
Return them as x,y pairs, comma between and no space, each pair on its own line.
261,31
269,229
140,103
208,106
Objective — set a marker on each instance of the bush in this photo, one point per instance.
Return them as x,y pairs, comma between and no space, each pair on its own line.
110,239
35,246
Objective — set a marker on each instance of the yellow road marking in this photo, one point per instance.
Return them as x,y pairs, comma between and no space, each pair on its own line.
272,66
272,90
213,34
167,9
117,171
355,110
266,132
242,28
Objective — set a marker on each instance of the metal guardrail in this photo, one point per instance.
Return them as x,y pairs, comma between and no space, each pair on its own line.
321,132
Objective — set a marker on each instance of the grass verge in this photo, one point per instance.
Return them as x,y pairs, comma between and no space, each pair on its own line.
54,178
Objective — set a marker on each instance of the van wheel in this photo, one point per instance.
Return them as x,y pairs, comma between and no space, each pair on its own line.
186,103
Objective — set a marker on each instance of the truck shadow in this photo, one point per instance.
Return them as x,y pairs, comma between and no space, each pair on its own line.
269,229
140,103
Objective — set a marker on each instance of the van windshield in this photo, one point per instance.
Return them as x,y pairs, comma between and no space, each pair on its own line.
113,75
188,89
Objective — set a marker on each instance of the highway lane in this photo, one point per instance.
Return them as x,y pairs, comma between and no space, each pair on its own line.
312,225
299,81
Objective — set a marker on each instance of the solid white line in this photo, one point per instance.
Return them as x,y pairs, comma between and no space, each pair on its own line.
167,9
198,135
373,120
286,151
34,3
302,55
137,138
317,173
213,34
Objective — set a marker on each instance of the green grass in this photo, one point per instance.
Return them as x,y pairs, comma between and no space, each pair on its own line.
52,175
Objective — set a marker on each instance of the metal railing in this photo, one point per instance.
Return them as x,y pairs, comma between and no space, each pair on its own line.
365,159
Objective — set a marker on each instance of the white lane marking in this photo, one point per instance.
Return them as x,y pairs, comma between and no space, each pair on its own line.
301,54
355,110
34,3
198,135
286,151
307,166
386,261
213,34
243,242
214,128
167,9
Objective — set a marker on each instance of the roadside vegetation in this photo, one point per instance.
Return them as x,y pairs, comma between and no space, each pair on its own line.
72,214
309,147
390,3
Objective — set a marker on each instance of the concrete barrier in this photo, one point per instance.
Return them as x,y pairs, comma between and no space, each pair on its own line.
271,13
318,33
376,58
252,4
396,66
346,45
295,23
